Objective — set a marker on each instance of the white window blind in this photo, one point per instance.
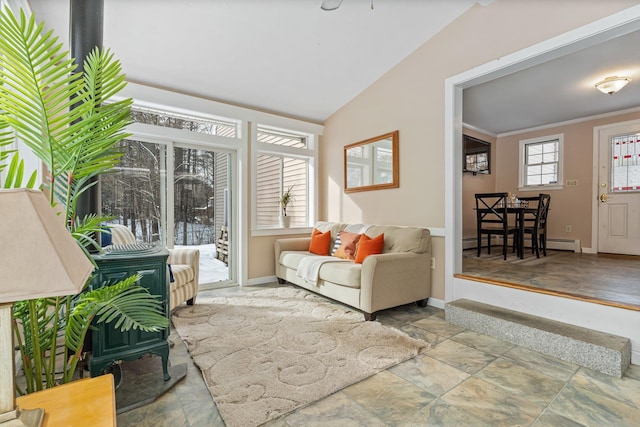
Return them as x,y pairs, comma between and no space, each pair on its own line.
282,161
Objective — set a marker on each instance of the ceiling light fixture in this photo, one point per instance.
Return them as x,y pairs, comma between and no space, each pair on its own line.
330,4
612,84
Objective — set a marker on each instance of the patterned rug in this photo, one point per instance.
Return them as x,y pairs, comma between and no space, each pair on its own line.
266,353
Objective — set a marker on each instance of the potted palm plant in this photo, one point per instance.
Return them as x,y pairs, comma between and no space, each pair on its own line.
285,199
72,123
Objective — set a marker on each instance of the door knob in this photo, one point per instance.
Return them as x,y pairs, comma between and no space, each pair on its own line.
604,197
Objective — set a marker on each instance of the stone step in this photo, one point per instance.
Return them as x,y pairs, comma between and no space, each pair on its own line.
606,353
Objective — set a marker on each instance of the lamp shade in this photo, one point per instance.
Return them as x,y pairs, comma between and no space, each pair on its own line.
38,256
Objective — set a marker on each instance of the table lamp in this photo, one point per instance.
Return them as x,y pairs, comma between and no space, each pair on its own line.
38,258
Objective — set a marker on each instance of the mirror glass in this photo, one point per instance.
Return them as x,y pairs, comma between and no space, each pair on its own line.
372,164
477,156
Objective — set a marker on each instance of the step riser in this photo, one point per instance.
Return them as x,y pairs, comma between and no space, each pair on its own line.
589,353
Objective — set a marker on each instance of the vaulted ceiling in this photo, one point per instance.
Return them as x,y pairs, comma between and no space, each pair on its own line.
283,56
290,57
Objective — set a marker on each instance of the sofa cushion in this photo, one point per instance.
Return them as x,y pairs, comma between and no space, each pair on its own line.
348,243
341,273
369,246
182,273
334,227
320,242
402,239
291,259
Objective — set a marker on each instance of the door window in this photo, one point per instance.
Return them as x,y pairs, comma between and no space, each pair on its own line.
625,163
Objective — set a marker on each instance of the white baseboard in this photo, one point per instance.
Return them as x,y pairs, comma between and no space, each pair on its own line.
261,280
469,243
559,244
434,302
564,245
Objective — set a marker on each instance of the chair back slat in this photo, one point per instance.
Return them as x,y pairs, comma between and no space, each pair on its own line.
491,208
537,219
492,219
543,211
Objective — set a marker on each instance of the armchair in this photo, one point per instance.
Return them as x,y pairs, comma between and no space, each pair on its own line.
184,264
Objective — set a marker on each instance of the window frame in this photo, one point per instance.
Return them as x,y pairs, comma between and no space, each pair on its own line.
310,154
522,163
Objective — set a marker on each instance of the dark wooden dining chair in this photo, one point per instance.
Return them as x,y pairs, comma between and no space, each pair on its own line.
530,215
536,224
492,219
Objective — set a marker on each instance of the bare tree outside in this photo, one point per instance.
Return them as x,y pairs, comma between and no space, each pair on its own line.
136,194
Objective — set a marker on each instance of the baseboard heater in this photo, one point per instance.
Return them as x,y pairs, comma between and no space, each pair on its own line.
558,244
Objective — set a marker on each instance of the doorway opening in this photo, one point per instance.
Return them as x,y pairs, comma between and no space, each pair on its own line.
175,195
457,286
616,205
201,184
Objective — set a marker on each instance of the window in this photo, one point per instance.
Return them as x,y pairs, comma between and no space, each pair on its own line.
210,126
625,163
541,162
283,159
171,189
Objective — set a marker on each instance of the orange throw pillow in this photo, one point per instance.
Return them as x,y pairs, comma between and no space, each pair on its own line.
320,242
369,246
347,248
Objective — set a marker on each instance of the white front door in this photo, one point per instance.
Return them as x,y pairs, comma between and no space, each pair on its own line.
619,189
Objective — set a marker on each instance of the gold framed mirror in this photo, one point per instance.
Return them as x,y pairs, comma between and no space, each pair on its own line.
372,164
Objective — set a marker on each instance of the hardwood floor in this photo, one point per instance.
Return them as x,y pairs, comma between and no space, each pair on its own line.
600,278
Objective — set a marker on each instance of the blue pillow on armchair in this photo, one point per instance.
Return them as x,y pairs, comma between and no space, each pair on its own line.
105,238
170,274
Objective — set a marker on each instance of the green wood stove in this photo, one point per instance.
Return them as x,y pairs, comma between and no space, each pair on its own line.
109,345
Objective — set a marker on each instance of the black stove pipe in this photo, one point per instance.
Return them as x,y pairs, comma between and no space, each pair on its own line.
85,32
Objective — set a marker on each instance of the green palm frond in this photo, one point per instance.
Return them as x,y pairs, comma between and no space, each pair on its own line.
6,138
72,125
38,84
15,174
134,308
120,303
85,229
105,122
61,115
44,318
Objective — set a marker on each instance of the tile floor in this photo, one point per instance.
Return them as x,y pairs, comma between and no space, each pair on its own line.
464,379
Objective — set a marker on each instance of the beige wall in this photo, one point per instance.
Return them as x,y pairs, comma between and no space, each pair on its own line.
410,98
479,183
571,205
262,256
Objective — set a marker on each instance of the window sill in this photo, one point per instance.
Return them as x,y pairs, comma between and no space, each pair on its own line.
541,187
277,231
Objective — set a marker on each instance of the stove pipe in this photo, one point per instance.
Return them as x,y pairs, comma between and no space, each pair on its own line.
85,32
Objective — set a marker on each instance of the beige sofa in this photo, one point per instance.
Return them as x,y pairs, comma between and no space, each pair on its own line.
185,267
400,275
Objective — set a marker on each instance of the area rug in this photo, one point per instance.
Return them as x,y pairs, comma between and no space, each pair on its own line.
528,258
266,353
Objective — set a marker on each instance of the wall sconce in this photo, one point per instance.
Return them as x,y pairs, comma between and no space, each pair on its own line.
611,85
